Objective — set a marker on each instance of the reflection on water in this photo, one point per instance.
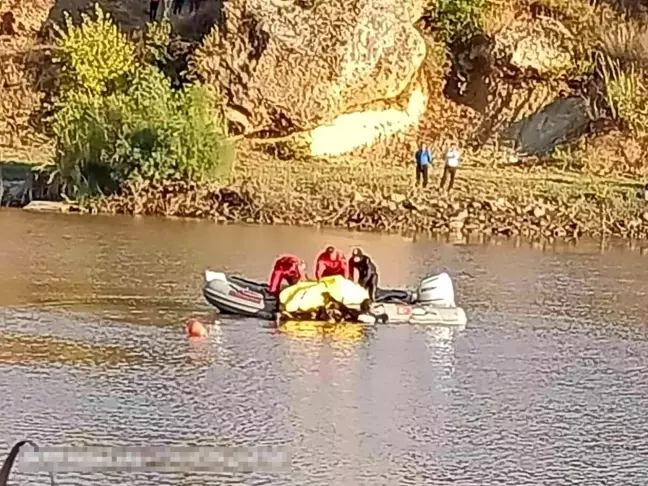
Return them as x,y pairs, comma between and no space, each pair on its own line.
340,332
545,385
16,349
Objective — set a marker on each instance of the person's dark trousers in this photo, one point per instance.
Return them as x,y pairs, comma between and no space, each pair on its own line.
370,284
451,172
422,172
153,8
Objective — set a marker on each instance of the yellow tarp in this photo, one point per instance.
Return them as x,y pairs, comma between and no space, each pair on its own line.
309,296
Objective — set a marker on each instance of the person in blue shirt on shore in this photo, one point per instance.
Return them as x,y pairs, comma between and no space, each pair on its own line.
423,161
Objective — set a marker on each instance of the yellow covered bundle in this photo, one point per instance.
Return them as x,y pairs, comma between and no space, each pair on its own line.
310,296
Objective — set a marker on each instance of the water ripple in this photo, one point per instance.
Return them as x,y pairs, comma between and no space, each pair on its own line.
546,385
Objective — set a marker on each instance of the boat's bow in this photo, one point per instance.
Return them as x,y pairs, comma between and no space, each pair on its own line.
232,295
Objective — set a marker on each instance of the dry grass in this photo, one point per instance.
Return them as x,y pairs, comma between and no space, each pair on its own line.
283,178
500,15
570,9
625,93
625,41
35,155
614,154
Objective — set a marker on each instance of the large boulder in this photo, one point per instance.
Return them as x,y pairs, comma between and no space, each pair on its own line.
516,78
21,79
544,46
558,122
284,65
542,117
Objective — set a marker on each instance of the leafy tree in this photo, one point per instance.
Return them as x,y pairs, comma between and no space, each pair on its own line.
118,119
95,55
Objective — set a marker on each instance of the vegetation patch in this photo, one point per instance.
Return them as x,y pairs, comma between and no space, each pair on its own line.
118,119
456,20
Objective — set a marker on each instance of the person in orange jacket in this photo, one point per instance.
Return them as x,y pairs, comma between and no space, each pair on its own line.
288,268
331,262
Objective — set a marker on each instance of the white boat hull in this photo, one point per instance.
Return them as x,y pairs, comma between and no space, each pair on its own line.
419,314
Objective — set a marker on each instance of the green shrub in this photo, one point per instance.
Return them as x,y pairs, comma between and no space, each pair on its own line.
456,20
140,129
93,55
157,39
626,94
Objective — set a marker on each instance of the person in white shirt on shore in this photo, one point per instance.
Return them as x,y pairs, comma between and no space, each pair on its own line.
452,158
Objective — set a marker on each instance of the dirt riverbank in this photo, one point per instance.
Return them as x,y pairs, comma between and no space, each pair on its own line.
530,202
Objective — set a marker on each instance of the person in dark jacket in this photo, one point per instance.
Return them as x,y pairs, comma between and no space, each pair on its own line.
367,272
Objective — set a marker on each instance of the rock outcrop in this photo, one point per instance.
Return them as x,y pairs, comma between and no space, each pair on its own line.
561,120
22,83
285,67
517,80
542,46
353,130
351,74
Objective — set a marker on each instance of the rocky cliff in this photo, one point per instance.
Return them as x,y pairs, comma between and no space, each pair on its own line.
22,84
285,66
349,76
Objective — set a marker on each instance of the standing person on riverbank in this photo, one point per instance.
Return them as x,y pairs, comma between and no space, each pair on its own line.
423,160
177,6
153,8
452,158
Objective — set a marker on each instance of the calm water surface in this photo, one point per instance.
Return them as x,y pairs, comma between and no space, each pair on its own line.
546,385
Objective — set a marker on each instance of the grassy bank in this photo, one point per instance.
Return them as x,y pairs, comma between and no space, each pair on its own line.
532,202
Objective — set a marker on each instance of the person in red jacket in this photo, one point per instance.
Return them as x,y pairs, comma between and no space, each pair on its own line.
331,262
289,268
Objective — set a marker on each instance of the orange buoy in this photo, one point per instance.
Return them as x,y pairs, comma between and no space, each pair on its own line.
195,328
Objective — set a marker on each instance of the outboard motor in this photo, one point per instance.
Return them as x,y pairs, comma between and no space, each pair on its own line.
437,291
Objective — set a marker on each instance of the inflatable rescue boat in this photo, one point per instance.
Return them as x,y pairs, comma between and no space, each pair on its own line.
432,303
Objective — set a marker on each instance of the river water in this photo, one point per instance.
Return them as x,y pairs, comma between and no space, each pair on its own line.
546,384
